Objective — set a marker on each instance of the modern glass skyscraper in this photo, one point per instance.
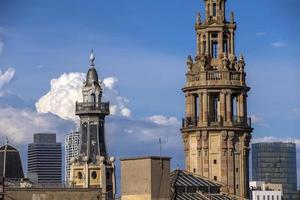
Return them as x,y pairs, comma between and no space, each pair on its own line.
45,159
276,163
72,148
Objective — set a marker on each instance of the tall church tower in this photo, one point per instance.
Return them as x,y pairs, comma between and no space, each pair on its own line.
216,130
93,168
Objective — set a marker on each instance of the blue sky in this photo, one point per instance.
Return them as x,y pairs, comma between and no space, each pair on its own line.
145,44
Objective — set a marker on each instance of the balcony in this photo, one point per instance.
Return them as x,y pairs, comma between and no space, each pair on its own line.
217,121
217,78
92,108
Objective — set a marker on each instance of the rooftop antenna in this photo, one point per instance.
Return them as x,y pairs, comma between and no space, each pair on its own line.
159,140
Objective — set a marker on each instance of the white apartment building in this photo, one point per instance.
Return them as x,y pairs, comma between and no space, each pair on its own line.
265,191
72,148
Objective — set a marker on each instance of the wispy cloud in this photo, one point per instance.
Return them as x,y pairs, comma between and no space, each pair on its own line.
1,47
295,111
261,33
256,119
6,77
279,44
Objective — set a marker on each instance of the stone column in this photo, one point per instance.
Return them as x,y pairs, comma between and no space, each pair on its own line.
231,167
201,44
200,108
187,105
224,160
193,106
185,138
241,106
220,43
198,43
228,107
223,106
205,154
205,106
207,43
232,42
199,153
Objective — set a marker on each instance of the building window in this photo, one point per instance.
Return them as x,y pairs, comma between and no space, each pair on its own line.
225,46
268,197
215,161
264,198
214,9
94,175
257,197
79,175
194,170
237,170
237,186
215,178
214,49
273,197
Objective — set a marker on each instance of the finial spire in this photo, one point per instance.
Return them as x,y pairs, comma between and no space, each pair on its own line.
6,140
92,59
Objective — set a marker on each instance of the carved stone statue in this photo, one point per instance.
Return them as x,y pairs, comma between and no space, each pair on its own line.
189,63
203,63
198,18
225,63
241,64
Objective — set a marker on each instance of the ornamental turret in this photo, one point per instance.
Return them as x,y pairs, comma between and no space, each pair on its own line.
93,168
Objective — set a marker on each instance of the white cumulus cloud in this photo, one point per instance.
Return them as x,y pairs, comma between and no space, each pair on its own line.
66,90
19,124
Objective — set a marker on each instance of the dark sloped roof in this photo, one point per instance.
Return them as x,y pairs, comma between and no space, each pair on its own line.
189,186
189,196
9,148
187,179
218,197
13,165
92,77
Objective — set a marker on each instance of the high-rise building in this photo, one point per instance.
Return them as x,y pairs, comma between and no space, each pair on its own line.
45,159
72,148
93,168
276,163
216,130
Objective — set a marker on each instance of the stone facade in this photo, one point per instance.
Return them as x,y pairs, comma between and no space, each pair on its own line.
93,168
216,130
52,194
145,178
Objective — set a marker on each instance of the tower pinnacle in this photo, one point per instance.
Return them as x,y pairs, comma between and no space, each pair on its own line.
92,59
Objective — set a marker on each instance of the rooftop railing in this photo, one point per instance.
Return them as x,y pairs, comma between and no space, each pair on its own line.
101,108
213,120
218,77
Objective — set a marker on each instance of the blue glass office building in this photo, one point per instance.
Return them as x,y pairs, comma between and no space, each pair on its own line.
276,163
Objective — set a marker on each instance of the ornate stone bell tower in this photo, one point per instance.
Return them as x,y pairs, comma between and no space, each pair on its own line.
93,168
216,130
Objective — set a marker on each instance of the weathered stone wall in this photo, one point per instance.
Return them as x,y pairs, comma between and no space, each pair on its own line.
52,194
